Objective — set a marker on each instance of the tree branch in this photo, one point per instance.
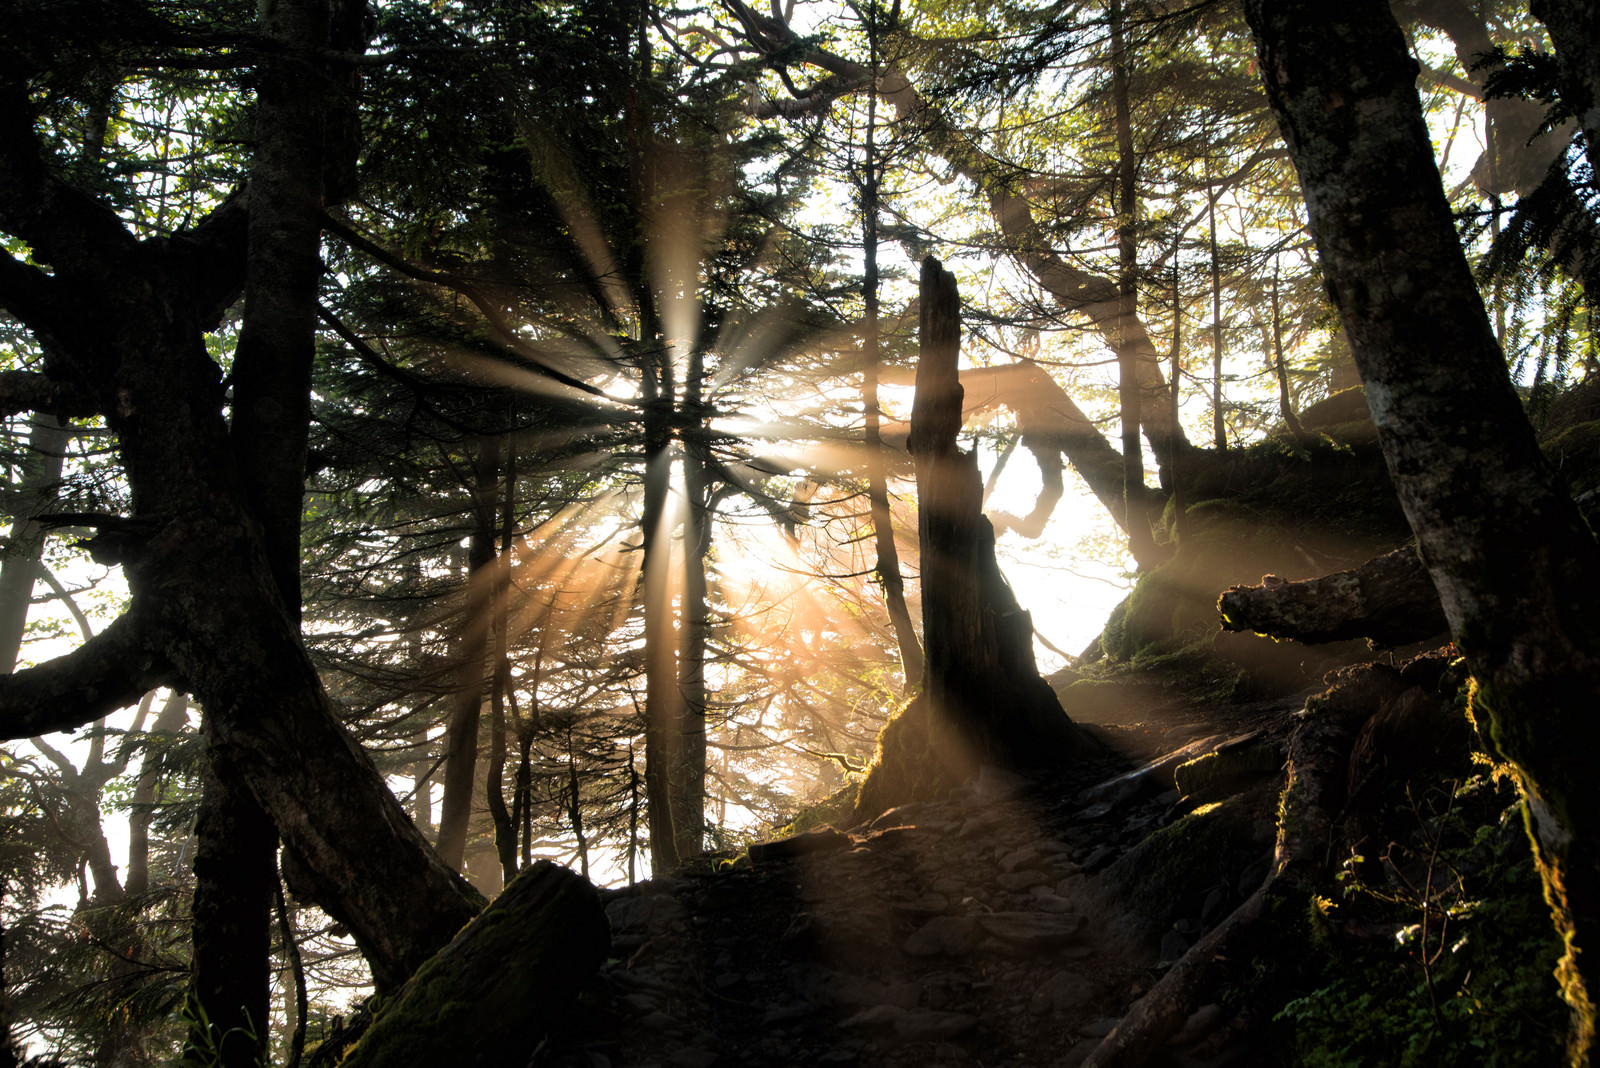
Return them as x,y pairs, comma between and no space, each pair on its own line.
111,671
30,391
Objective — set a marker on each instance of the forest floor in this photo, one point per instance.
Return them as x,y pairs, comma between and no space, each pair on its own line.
983,929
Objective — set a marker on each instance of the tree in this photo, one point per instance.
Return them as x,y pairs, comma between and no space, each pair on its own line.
1514,564
224,632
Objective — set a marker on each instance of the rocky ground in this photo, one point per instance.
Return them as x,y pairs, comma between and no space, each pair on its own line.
979,930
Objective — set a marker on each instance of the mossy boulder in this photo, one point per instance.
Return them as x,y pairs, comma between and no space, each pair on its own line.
489,997
1171,874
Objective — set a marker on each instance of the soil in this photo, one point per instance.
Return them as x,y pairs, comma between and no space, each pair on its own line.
975,930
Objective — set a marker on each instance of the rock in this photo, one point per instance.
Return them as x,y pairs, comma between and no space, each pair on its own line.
1026,857
1019,881
1032,930
875,1016
931,1025
948,935
1062,992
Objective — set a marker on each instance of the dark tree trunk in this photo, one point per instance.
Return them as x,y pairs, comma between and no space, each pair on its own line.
41,477
1574,27
663,698
207,551
1515,567
472,658
1130,391
689,779
169,721
236,881
982,698
887,567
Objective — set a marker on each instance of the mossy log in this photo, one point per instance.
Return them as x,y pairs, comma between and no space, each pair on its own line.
1389,600
489,997
1313,798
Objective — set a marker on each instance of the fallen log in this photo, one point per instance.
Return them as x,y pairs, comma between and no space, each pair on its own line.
1388,600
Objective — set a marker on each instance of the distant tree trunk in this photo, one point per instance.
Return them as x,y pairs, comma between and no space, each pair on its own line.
1219,428
689,779
1574,27
1291,421
1141,540
36,489
472,654
1175,466
663,698
887,566
169,721
1514,564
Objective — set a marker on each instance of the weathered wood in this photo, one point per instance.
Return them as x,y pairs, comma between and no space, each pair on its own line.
1388,599
488,998
983,700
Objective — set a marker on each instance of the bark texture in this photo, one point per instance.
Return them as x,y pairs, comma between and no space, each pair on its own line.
1388,599
1515,567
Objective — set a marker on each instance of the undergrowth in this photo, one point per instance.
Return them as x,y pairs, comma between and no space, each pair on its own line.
1440,950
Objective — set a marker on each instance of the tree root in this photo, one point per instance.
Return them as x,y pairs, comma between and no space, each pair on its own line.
1314,796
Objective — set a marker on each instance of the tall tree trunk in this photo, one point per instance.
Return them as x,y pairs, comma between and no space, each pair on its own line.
1141,539
169,721
689,779
1291,421
214,608
1574,27
1219,428
472,655
663,698
36,489
236,880
1515,566
887,566
982,699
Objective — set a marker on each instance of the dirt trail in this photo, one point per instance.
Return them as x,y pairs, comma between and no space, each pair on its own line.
968,931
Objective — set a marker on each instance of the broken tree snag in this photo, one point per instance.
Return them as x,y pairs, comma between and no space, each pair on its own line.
1389,599
982,698
488,999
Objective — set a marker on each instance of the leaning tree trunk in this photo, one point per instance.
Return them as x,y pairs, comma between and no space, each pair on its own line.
1516,568
208,549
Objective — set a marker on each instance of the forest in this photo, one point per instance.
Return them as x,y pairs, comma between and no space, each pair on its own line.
853,532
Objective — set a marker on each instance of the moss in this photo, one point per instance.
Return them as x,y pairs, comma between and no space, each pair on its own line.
1222,772
1170,874
918,757
489,997
1575,452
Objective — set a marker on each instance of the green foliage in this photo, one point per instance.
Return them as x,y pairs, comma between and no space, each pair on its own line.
1467,975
